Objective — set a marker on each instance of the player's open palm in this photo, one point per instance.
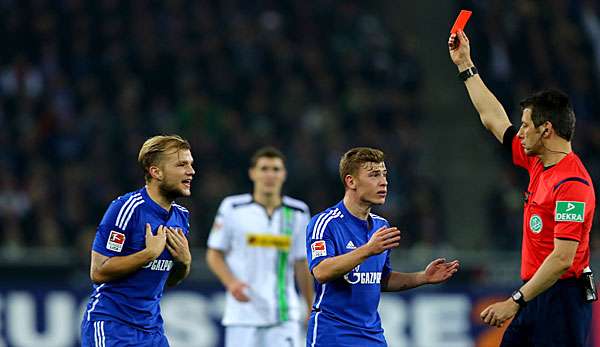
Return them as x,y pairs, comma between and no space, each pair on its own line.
178,246
155,243
440,270
383,239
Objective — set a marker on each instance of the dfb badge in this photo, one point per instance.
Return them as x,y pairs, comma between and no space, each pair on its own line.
116,240
319,249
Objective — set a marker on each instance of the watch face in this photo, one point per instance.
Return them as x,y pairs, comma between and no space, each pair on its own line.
517,296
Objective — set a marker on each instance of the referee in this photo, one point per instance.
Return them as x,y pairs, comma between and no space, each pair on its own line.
551,308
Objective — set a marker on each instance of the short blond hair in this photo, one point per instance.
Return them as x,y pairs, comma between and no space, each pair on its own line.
354,158
153,149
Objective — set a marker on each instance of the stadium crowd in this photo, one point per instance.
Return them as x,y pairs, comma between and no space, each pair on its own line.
82,84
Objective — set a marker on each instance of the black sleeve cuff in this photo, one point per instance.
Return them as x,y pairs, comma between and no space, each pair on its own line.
508,137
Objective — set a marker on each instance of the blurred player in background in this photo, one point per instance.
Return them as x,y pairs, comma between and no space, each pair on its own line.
256,248
550,308
349,256
141,244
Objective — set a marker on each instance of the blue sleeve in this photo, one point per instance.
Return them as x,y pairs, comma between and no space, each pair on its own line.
188,226
387,268
112,232
320,242
186,223
185,219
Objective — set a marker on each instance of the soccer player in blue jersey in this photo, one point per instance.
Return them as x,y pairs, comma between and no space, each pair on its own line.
348,249
141,245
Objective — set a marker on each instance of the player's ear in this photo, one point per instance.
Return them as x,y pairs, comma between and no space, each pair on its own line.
547,128
251,174
155,172
350,182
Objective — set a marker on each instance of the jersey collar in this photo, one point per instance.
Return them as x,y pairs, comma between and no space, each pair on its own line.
565,159
152,204
346,213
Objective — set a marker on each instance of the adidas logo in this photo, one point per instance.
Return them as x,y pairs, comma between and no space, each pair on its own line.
350,245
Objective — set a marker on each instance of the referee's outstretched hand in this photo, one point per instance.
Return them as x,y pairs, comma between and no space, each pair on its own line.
155,244
384,238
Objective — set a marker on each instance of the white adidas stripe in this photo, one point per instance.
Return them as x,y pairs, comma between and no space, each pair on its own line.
181,208
99,333
125,207
374,216
321,231
95,334
97,298
103,341
317,305
319,222
128,210
131,214
314,339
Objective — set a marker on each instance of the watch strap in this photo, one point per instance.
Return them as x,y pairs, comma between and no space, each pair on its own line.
468,73
517,297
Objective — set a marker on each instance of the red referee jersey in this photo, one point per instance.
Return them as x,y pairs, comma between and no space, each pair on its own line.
559,203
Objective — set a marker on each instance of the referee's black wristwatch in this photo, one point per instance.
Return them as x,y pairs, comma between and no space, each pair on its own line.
468,73
517,297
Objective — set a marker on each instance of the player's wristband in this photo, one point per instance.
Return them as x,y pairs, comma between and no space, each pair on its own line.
468,73
517,297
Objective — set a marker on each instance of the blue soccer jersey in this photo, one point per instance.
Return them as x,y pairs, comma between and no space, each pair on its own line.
134,299
345,310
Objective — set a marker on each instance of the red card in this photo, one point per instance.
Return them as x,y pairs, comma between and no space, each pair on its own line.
461,21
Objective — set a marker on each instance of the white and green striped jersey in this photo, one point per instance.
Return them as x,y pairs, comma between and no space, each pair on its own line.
261,250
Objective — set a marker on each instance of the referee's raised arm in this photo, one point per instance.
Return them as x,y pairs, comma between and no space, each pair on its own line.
492,114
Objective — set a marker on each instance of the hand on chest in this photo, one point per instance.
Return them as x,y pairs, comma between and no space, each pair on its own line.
138,237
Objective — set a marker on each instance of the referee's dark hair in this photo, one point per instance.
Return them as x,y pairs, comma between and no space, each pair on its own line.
552,106
266,152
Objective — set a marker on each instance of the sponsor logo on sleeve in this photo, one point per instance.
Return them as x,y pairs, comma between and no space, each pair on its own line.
569,211
319,249
115,242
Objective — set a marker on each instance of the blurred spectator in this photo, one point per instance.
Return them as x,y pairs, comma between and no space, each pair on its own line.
82,84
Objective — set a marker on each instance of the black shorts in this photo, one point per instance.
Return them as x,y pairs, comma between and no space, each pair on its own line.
559,317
